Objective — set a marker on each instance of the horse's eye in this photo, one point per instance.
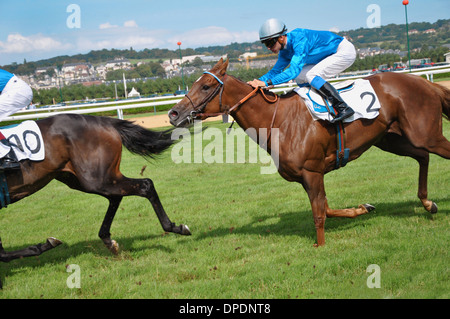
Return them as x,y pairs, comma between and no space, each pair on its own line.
205,87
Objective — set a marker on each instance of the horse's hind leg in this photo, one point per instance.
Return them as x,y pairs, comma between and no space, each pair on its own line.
124,186
146,188
399,145
104,232
34,250
439,146
423,129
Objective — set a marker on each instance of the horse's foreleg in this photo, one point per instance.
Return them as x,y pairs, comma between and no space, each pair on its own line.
104,232
350,212
314,187
34,250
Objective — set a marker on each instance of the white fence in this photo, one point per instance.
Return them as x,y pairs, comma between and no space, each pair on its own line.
119,106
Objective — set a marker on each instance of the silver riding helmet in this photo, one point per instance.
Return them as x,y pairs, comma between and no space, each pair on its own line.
272,28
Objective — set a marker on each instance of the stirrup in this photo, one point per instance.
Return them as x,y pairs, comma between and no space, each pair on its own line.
343,114
9,162
8,165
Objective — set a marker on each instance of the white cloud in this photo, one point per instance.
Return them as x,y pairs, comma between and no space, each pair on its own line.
108,36
334,29
119,37
126,24
17,43
107,25
213,36
130,24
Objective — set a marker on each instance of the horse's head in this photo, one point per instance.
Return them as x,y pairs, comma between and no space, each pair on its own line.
203,98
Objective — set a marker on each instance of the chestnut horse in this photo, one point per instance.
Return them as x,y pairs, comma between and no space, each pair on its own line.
409,124
84,152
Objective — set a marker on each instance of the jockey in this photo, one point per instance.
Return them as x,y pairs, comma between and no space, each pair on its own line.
312,56
15,94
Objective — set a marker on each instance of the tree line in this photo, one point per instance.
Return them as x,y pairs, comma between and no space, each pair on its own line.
145,88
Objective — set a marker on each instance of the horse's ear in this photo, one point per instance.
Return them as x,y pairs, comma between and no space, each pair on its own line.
217,66
223,67
220,67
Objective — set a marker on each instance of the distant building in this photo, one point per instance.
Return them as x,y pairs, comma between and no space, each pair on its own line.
247,55
76,71
447,57
118,64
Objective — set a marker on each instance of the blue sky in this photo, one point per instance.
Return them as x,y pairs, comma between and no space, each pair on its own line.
38,29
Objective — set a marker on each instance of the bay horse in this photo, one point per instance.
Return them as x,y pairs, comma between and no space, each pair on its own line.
84,152
409,124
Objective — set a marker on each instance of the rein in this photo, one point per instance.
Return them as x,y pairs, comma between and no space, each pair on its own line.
198,110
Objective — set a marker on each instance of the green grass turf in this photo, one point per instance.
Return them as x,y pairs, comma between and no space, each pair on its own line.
252,235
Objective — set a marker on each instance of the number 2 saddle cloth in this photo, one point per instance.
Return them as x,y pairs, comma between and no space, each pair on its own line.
358,94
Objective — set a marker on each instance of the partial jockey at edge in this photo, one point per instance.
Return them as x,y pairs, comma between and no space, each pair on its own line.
15,94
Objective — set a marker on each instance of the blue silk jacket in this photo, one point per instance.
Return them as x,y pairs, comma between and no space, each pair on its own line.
5,76
303,47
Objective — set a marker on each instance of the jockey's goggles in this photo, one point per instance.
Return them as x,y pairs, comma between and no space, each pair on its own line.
270,42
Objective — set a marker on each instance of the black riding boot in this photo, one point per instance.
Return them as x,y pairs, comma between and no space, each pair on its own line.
332,95
9,161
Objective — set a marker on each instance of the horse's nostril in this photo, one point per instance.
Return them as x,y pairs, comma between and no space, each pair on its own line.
173,113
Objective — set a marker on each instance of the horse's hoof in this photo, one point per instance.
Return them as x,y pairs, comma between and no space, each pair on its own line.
434,208
54,242
185,230
114,247
368,207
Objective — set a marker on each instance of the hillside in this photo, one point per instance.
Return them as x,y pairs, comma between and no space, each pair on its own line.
423,35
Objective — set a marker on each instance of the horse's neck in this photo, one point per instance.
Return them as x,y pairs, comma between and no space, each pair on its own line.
258,113
255,112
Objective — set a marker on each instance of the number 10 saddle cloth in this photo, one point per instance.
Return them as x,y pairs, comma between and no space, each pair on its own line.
25,140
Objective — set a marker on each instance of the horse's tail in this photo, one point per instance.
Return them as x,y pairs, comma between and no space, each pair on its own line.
141,141
444,93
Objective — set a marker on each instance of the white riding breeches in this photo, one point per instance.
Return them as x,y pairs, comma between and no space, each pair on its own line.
15,96
330,66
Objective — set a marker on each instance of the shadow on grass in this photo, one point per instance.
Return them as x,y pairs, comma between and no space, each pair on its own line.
301,222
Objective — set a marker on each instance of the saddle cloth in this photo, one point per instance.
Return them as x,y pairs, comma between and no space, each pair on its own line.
358,94
25,140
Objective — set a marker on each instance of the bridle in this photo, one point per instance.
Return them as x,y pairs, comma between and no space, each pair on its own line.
198,110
